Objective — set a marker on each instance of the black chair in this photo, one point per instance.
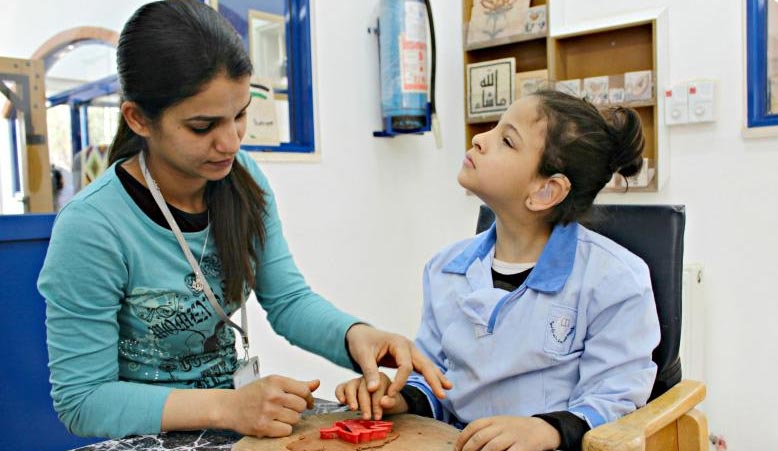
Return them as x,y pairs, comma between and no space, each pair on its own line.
655,234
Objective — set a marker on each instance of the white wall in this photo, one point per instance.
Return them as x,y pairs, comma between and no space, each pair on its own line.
28,24
363,221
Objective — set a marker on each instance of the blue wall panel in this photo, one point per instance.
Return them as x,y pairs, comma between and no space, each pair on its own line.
28,420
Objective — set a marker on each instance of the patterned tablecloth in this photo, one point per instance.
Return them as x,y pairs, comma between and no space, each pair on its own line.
207,440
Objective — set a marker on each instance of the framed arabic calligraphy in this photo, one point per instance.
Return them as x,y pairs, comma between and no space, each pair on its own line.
490,89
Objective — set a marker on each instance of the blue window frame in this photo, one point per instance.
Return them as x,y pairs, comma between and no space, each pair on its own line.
299,67
760,71
78,99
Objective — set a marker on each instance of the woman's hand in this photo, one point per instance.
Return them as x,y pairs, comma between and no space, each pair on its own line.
371,347
354,393
269,407
504,432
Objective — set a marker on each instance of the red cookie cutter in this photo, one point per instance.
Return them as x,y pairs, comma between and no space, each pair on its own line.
357,431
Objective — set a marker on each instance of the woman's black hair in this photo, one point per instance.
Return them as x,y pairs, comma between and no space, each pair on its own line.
168,51
588,146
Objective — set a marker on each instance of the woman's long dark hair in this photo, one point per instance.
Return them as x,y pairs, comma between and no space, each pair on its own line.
167,52
588,146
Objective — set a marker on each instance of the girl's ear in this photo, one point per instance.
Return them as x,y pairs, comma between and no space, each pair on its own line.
550,194
136,120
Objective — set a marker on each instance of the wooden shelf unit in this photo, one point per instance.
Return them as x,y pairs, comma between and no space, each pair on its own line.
612,49
506,41
531,53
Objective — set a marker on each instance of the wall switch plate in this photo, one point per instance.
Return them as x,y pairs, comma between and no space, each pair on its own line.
677,104
702,95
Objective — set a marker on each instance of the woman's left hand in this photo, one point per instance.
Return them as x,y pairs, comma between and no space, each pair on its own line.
372,348
504,432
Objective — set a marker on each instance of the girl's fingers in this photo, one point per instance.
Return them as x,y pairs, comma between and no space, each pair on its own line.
351,395
363,396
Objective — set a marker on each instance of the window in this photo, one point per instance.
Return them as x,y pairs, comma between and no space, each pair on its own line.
762,62
277,34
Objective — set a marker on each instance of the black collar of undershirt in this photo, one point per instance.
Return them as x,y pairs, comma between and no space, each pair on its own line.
509,282
187,222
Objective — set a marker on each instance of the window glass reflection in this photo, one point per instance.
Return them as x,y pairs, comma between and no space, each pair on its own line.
772,56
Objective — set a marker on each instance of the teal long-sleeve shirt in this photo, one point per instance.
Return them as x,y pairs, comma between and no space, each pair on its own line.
125,325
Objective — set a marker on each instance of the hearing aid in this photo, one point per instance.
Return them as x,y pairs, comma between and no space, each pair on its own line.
545,193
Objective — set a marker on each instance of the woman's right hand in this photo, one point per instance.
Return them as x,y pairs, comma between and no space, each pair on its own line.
268,407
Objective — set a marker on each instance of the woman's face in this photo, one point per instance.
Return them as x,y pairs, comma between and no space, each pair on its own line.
198,138
502,165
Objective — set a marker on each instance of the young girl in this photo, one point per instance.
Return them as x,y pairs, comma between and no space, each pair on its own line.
545,328
146,264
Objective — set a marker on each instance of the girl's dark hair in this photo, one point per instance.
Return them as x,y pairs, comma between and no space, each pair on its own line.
168,51
588,146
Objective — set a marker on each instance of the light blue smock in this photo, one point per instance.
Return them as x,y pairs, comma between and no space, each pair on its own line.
576,336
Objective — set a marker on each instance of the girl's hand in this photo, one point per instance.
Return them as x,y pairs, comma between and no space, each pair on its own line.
504,432
371,347
268,407
355,394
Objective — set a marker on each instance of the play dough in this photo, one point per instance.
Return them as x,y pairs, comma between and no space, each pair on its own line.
408,433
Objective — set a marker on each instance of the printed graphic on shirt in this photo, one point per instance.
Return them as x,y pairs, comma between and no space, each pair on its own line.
561,328
176,337
174,314
561,325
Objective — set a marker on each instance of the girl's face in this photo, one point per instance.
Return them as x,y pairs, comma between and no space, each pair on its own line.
501,167
197,139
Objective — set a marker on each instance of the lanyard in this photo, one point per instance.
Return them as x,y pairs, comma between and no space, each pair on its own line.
199,277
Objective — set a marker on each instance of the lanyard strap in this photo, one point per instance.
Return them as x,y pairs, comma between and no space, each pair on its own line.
157,195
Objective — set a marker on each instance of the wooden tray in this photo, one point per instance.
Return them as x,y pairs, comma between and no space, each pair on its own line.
413,432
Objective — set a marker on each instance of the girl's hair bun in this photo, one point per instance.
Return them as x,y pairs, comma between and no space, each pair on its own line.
626,132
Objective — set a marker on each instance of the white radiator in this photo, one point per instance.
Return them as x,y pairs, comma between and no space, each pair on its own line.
693,324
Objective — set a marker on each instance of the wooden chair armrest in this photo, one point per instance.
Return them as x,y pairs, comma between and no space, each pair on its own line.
629,432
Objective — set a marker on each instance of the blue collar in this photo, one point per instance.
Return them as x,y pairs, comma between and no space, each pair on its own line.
554,265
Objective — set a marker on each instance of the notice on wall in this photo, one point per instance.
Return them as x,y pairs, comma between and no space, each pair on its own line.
262,122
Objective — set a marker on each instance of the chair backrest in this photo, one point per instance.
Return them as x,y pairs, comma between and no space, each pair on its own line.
28,418
655,234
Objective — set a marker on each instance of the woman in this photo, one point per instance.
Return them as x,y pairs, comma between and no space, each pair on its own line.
147,262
